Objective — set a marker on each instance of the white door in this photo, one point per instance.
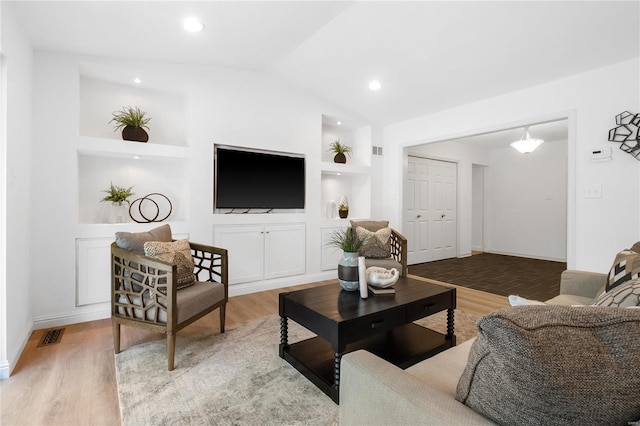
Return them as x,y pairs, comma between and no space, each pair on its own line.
430,209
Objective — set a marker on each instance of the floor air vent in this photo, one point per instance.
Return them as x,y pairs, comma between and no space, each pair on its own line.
51,336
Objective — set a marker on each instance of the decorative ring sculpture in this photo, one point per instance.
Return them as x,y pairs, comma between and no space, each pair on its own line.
148,197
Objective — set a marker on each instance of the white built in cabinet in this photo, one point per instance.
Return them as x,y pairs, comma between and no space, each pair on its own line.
262,252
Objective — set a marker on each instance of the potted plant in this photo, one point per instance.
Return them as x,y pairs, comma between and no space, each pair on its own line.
340,150
119,198
343,208
132,121
350,243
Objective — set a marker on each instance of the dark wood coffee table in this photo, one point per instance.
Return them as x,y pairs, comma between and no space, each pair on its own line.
382,325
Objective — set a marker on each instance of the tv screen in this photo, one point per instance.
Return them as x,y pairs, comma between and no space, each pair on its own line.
258,180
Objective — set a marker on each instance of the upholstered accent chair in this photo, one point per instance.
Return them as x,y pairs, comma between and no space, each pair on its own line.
385,247
145,291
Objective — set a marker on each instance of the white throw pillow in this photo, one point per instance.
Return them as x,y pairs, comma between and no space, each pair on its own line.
521,301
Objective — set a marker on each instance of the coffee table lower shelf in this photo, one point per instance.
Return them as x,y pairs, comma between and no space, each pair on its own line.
402,346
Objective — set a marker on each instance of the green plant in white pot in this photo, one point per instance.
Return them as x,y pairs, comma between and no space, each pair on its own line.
118,196
132,121
350,243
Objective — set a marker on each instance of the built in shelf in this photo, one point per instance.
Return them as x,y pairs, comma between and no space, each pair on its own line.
126,149
108,230
343,169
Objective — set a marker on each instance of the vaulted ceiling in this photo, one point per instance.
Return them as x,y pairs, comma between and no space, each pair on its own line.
428,55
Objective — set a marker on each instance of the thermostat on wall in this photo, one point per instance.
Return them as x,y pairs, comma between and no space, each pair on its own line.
602,153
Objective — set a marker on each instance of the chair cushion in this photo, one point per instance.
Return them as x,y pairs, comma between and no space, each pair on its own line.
555,365
197,298
377,244
190,301
177,253
370,225
135,241
626,266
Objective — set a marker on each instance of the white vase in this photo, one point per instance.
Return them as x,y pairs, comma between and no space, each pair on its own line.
119,213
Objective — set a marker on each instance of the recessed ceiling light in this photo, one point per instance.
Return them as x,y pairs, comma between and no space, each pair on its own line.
193,25
375,85
136,157
339,123
137,81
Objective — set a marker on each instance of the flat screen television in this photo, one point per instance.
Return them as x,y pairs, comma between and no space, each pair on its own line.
258,180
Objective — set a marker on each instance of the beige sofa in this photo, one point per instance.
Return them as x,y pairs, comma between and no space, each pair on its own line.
375,392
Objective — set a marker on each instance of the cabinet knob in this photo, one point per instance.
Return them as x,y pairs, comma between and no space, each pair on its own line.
419,216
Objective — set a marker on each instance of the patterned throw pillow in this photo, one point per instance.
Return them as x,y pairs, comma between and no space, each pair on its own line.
625,267
377,245
177,253
623,296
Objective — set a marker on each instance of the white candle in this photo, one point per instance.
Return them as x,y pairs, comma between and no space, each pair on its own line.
362,275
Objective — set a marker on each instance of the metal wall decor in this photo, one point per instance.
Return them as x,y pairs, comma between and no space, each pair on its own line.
147,205
626,133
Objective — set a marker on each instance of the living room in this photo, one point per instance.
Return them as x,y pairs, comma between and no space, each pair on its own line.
56,141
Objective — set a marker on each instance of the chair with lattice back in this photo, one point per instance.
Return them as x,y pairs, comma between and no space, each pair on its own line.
145,292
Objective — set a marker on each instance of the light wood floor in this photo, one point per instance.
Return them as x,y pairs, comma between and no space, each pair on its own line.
73,382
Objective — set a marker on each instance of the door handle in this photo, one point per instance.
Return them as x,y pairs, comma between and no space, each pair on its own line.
419,216
442,216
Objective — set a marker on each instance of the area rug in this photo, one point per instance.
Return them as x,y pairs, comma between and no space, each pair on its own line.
235,378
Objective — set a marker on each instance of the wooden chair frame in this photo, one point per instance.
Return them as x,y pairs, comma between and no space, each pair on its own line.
399,250
141,284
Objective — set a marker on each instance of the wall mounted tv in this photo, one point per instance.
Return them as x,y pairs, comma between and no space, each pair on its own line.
248,179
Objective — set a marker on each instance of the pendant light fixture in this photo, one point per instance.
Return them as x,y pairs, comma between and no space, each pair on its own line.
526,145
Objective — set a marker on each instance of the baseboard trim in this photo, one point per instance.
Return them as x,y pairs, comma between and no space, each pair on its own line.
527,256
99,312
7,366
254,287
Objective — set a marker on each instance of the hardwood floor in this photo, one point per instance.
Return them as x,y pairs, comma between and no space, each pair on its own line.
73,382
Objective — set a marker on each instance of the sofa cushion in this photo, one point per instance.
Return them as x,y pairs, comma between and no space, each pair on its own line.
626,266
623,296
555,365
377,244
443,370
135,241
370,225
569,300
177,253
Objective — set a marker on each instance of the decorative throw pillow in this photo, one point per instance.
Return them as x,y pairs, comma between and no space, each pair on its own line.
521,301
377,245
555,365
625,267
177,253
623,296
370,225
135,241
636,247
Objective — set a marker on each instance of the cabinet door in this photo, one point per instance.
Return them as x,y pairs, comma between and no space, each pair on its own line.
246,247
93,263
330,255
285,247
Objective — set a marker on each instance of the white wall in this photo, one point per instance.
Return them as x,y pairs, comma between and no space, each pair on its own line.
477,207
220,106
590,100
15,290
527,202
